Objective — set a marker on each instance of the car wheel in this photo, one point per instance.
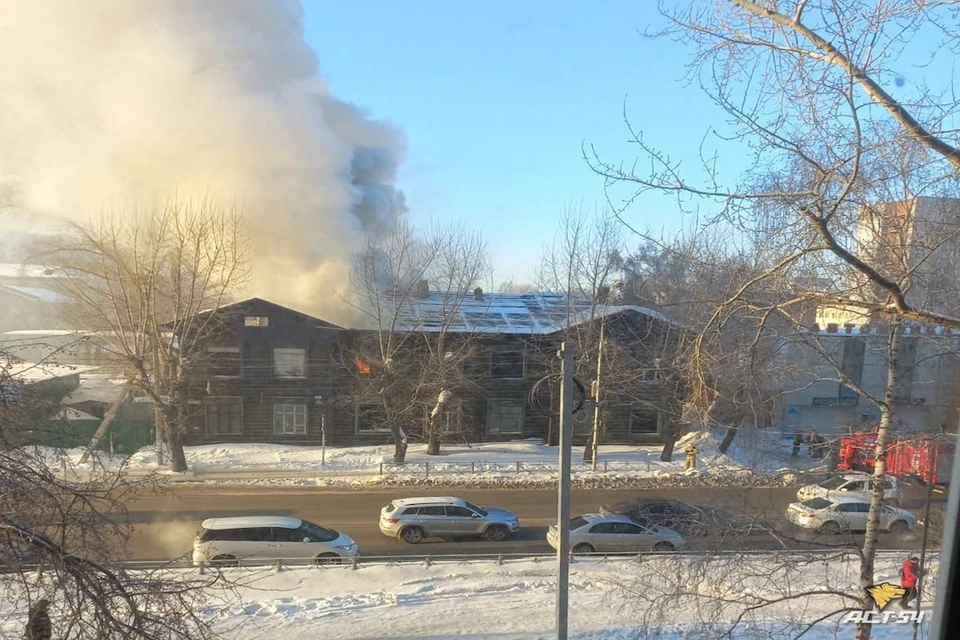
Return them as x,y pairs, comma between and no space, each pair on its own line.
224,561
892,502
327,558
582,549
412,535
830,527
496,533
664,547
899,527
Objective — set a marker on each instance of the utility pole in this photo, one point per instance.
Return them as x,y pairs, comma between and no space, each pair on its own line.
923,549
563,498
595,434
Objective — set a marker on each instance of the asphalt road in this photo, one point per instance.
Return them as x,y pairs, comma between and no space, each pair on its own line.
166,522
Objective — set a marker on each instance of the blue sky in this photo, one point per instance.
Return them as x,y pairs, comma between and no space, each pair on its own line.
496,99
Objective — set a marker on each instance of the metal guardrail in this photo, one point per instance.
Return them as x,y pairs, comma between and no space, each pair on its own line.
427,560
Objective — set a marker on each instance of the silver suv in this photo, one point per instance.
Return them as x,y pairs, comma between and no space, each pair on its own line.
413,519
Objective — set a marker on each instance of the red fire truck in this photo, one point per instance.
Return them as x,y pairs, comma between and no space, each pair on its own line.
925,458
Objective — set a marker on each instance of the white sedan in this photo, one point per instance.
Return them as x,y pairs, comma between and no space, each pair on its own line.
852,485
846,514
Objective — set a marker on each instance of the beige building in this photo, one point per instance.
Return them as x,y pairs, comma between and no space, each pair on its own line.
814,396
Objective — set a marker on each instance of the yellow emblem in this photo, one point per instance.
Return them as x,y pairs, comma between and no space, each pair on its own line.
884,593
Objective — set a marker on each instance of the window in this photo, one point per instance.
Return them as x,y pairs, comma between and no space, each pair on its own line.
256,321
449,421
459,512
577,522
504,417
644,419
432,511
629,529
224,362
290,363
853,486
289,418
604,527
369,417
411,511
224,416
651,375
317,533
817,503
853,350
506,364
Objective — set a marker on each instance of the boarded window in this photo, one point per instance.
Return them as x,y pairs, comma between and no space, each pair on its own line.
290,363
504,417
224,416
290,418
256,321
224,362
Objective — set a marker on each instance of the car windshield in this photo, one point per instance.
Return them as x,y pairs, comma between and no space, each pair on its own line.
817,503
318,533
479,510
832,483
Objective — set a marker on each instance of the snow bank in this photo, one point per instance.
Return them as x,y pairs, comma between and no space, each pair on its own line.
762,460
608,601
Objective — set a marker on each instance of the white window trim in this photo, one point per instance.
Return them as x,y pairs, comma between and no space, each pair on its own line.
298,430
289,351
256,321
523,415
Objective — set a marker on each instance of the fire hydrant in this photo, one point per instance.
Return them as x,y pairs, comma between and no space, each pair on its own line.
691,461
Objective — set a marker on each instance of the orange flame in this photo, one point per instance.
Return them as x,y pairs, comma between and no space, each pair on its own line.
362,367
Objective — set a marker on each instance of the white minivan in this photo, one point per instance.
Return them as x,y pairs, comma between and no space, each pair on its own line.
257,539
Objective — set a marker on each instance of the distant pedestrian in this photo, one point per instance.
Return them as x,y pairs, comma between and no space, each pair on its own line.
797,441
909,576
691,461
39,626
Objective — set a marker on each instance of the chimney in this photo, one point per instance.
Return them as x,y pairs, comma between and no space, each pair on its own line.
478,294
423,289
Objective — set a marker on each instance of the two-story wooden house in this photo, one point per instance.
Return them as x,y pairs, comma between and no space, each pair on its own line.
280,376
268,377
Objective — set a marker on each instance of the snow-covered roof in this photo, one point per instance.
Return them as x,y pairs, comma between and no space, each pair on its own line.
13,270
512,313
95,388
75,415
877,330
34,294
39,333
32,372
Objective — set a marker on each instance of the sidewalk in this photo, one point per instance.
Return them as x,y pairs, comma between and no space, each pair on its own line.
502,464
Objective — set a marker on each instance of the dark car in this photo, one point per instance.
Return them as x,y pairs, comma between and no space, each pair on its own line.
689,520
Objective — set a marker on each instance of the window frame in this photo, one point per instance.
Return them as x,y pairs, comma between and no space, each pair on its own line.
210,401
256,321
294,403
289,351
238,375
499,403
356,419
504,351
633,431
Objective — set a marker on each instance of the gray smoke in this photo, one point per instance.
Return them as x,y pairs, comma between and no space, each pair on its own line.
109,103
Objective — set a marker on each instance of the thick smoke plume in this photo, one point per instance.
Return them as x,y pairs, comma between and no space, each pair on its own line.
113,103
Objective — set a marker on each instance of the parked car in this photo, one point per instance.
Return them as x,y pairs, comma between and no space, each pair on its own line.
413,519
688,520
855,485
847,513
229,541
615,533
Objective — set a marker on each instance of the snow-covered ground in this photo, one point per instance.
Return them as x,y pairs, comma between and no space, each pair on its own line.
522,462
669,598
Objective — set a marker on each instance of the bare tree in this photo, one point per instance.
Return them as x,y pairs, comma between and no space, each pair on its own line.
805,86
142,279
59,539
410,358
